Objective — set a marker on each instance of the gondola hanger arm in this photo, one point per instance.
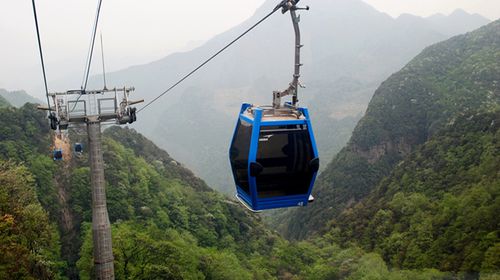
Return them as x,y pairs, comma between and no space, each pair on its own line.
291,6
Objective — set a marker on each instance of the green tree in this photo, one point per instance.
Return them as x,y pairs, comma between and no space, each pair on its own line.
29,242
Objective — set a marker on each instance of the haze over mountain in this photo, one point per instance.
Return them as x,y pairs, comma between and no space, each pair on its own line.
456,22
18,98
349,49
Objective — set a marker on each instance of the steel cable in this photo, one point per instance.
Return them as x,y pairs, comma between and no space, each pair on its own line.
41,55
213,56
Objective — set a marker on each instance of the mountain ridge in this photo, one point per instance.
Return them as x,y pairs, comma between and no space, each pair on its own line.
18,98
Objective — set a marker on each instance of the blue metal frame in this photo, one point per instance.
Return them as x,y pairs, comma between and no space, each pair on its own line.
252,200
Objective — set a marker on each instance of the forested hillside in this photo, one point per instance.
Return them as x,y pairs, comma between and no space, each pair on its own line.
439,207
29,241
149,195
458,77
166,223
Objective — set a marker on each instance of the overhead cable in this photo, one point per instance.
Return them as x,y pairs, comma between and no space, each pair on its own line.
89,56
213,56
41,55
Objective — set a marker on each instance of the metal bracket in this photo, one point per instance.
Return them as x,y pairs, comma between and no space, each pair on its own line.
245,204
290,5
92,103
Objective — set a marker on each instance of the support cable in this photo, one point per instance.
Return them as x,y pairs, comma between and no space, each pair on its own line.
216,54
103,68
41,56
89,56
92,46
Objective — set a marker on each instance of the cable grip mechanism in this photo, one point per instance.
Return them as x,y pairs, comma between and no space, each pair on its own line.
291,5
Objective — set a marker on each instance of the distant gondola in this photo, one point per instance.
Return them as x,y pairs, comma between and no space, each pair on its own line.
78,148
58,154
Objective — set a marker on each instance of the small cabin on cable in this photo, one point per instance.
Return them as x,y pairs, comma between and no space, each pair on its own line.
273,157
57,154
78,148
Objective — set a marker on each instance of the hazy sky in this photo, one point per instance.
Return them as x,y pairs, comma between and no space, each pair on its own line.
137,32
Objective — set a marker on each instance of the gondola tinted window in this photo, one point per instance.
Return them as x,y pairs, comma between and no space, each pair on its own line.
285,153
238,154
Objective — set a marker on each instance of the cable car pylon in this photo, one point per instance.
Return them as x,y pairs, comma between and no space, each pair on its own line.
93,108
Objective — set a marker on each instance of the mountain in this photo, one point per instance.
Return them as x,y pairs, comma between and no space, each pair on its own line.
18,98
451,80
350,48
456,22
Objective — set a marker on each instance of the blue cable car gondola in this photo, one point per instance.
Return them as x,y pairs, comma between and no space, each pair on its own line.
273,157
273,154
78,148
58,154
